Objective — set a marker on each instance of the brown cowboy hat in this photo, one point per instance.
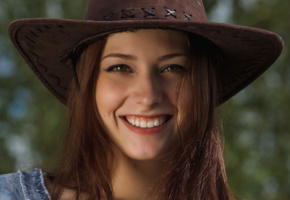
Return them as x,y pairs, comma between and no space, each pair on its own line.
45,43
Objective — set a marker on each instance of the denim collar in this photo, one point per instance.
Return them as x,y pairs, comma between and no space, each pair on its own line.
32,185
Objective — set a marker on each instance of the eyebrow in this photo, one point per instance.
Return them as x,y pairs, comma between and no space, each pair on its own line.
131,57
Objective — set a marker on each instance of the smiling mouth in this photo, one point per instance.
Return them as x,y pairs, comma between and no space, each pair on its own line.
147,123
146,130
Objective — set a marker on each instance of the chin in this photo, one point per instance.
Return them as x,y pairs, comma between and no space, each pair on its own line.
144,153
143,157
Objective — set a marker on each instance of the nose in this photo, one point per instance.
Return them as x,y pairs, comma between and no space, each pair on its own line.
148,90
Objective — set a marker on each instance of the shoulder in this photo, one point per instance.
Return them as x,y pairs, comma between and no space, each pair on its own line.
10,187
23,186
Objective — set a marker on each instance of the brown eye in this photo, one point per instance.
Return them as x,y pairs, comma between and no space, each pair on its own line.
174,67
116,68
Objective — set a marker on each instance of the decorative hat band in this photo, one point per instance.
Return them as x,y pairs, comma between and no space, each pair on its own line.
149,13
167,10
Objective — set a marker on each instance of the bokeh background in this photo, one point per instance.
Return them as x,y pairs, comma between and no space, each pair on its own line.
256,121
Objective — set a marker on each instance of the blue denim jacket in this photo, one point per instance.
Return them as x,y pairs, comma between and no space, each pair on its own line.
23,186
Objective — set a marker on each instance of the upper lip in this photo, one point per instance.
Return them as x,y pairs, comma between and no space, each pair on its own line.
147,116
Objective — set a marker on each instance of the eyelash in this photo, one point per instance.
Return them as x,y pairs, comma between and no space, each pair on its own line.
111,68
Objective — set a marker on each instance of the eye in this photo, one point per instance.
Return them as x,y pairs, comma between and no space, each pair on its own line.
174,67
120,67
126,68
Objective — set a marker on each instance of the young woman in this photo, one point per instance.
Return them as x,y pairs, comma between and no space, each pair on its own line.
142,82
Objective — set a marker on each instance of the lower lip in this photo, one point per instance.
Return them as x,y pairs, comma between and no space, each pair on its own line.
145,131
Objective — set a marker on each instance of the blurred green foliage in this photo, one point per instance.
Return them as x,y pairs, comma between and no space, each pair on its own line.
255,121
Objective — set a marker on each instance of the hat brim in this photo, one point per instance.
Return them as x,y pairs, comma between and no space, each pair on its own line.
44,42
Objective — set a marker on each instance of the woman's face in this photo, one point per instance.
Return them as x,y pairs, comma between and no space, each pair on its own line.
147,67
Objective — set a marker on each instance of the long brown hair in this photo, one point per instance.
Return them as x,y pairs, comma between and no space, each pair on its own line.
196,170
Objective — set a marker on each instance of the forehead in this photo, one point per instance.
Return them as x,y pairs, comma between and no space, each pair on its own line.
145,39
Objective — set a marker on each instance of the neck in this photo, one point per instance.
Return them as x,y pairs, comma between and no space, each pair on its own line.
135,179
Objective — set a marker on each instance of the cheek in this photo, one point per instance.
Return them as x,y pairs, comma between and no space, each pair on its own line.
177,90
109,94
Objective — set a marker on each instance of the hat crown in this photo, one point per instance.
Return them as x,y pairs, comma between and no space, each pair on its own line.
110,10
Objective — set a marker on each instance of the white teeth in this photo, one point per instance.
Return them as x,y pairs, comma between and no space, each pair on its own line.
146,124
143,124
136,122
150,124
156,123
